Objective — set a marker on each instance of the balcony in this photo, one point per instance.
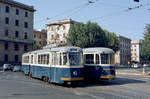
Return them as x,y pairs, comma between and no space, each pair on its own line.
16,40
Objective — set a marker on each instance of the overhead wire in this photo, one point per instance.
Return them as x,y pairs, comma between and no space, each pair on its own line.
79,8
120,12
75,9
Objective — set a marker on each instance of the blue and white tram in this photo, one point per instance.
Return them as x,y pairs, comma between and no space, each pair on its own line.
98,63
58,65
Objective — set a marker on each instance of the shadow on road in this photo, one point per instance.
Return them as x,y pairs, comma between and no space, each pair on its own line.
117,81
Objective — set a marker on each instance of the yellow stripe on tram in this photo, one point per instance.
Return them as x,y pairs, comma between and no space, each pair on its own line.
107,77
72,79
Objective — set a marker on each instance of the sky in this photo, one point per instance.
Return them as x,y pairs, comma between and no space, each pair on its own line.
112,15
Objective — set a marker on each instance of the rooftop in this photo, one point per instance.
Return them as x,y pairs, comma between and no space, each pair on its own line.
59,22
18,4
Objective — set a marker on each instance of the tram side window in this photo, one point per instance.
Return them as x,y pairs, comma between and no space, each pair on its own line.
97,59
54,59
47,61
31,59
26,59
89,58
43,59
64,58
60,59
35,61
39,59
104,59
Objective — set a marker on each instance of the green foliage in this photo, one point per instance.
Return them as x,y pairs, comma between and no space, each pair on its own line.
91,35
145,50
112,40
36,47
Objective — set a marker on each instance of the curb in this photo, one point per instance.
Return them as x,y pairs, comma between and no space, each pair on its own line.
136,74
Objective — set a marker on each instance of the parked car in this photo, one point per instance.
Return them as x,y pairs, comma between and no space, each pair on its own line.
7,67
17,68
136,65
146,65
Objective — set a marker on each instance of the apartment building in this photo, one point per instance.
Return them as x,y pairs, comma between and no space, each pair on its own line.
40,37
57,32
123,56
16,30
135,50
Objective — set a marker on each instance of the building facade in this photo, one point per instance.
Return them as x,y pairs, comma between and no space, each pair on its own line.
123,56
40,38
16,30
57,32
135,50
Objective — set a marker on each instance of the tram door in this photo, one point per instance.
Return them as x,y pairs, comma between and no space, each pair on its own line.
55,67
98,68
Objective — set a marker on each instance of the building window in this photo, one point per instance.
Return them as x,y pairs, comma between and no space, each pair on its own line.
52,28
57,36
6,46
6,20
64,35
6,32
25,35
16,34
52,37
58,28
7,9
17,12
26,24
16,47
26,14
40,36
25,48
6,57
17,22
40,42
64,27
16,58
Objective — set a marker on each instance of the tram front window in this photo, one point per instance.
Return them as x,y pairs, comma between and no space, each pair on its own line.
112,61
104,59
74,59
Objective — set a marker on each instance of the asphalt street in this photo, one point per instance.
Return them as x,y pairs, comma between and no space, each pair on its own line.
14,85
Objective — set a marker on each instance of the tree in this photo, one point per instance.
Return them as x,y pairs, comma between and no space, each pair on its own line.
91,35
145,50
36,47
112,40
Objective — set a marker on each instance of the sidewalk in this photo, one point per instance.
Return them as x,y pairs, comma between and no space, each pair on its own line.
132,71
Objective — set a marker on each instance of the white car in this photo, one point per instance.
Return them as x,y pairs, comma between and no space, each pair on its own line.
146,65
136,65
7,67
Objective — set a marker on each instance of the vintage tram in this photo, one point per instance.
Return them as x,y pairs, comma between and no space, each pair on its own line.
58,65
99,63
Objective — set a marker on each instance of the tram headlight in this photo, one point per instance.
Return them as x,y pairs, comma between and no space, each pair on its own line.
75,73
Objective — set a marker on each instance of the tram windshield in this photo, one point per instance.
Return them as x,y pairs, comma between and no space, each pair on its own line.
75,59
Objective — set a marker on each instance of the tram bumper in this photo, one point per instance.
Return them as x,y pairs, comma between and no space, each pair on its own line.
72,79
107,77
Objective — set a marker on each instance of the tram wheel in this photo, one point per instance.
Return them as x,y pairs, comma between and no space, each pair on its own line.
45,79
30,75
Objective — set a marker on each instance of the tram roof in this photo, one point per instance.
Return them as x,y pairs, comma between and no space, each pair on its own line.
98,50
57,49
67,49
